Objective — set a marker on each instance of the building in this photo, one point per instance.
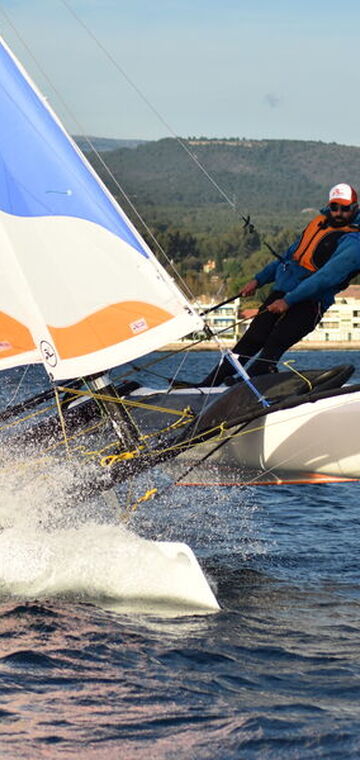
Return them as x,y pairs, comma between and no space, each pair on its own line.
224,320
210,266
341,322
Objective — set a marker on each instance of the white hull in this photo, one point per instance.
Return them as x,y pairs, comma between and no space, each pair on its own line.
318,437
321,437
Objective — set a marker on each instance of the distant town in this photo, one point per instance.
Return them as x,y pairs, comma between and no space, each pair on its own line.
339,326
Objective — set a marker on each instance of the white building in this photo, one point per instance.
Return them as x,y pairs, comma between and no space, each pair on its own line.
224,319
341,322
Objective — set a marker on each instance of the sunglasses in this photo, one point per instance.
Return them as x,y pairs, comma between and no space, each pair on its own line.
339,207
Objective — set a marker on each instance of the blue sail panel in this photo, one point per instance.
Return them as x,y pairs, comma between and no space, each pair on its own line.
78,285
41,172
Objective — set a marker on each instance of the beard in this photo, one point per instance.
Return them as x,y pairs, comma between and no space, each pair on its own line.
340,221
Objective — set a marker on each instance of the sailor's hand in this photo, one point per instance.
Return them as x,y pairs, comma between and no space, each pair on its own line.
249,288
278,307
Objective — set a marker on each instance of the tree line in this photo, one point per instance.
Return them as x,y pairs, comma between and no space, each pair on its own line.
210,264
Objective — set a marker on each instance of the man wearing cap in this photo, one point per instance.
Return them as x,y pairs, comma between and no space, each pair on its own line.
319,264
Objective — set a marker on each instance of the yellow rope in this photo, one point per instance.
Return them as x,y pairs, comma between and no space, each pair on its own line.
146,497
296,372
173,426
28,417
186,415
62,423
73,437
127,402
33,414
110,459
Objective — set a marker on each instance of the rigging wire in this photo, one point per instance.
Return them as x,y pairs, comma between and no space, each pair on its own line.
148,103
16,391
167,355
231,202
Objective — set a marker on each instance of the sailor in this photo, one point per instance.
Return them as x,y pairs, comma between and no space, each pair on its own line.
306,278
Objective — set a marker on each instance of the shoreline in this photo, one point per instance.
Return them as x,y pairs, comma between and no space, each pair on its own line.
302,346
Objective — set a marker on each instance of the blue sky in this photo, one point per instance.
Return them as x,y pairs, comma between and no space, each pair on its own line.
260,69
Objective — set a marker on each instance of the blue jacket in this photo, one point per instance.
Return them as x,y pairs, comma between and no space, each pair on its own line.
299,284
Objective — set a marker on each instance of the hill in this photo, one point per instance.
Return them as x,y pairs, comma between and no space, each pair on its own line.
268,176
104,144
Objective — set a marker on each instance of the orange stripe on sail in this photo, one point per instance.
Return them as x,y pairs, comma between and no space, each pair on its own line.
107,327
15,338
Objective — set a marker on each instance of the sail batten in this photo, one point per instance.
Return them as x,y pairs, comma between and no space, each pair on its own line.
83,286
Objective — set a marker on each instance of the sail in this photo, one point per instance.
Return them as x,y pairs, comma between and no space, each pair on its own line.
79,288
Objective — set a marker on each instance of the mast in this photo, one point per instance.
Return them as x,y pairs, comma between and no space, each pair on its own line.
120,418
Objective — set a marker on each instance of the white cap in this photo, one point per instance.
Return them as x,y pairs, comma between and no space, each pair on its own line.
343,194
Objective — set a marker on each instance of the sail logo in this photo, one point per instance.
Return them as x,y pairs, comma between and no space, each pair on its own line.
139,326
5,345
48,353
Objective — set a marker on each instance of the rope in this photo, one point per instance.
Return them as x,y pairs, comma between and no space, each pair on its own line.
73,437
128,455
130,403
149,494
62,422
296,372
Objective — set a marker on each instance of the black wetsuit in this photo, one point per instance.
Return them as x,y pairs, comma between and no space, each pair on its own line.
271,334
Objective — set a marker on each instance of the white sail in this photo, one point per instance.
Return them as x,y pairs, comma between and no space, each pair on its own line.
80,290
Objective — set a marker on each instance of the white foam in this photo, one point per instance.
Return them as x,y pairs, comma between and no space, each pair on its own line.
105,564
53,546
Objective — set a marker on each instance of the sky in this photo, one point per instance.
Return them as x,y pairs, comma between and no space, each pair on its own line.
147,69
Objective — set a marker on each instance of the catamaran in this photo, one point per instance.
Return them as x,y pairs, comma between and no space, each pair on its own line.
81,292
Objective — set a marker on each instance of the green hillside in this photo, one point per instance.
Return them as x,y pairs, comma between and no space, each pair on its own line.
262,175
104,144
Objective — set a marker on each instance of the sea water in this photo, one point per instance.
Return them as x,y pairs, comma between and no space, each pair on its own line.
275,674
